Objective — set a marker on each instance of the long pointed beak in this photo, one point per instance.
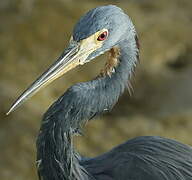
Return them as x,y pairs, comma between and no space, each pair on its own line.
73,56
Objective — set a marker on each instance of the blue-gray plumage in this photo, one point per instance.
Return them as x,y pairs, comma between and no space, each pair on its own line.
102,29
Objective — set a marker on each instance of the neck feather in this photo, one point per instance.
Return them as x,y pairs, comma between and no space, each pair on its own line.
116,75
56,158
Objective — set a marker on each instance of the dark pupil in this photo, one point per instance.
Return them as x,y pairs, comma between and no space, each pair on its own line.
102,36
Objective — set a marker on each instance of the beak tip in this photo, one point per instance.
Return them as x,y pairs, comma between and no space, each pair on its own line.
8,112
11,110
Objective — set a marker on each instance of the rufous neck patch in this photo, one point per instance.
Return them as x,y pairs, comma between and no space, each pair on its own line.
112,62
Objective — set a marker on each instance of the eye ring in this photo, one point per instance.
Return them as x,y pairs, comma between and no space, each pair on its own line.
103,36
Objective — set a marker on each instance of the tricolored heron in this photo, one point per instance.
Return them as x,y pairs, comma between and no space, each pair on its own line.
102,29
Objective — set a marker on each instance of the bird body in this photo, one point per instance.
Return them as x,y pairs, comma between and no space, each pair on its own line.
143,158
105,28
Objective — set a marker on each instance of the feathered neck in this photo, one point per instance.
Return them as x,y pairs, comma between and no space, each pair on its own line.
56,157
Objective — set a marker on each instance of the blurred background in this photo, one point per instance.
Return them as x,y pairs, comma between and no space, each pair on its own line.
33,33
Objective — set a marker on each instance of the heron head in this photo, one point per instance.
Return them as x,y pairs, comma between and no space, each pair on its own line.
101,29
96,32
